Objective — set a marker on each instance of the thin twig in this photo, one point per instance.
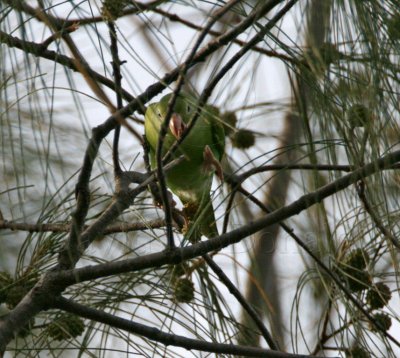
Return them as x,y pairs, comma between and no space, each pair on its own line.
116,65
377,221
326,337
228,210
323,335
236,293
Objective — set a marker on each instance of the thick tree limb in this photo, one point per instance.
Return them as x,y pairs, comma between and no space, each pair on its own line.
155,334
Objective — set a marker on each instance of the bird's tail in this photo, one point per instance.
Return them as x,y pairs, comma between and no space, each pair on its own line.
202,220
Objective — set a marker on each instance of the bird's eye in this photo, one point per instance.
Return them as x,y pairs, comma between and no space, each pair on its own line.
189,109
159,114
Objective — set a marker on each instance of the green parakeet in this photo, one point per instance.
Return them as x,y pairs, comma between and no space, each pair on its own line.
202,149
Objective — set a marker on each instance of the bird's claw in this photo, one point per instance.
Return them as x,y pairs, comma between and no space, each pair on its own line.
211,163
171,201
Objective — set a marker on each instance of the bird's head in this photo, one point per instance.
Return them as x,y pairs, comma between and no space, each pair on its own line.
183,109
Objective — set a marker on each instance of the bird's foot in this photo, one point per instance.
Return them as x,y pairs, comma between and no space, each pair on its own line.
171,201
211,163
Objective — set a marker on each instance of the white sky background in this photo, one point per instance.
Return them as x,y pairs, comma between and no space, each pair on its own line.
264,82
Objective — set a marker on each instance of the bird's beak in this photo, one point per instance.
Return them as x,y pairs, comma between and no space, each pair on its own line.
176,125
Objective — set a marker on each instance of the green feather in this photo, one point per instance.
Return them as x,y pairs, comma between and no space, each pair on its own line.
189,180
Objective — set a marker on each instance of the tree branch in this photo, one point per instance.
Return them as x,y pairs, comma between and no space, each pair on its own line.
179,255
155,334
234,236
122,200
66,227
38,50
